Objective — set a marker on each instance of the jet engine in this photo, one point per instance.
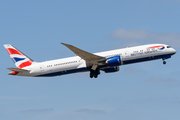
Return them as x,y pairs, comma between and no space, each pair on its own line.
113,61
112,69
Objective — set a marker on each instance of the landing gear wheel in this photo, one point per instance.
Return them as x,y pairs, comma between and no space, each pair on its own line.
91,74
164,62
95,76
94,73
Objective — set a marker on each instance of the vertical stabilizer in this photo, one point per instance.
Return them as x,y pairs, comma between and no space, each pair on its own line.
18,57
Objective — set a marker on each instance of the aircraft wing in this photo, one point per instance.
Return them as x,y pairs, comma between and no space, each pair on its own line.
17,69
85,55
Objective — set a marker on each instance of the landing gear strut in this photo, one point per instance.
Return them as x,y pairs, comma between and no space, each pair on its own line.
94,72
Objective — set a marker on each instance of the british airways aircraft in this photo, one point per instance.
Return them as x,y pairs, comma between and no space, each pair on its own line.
108,61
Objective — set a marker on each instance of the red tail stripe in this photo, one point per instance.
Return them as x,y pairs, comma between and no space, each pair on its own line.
13,51
25,64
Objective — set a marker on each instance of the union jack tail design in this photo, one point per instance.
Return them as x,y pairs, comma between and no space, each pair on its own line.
18,57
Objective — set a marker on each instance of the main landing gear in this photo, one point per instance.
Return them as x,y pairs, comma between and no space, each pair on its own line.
164,62
94,72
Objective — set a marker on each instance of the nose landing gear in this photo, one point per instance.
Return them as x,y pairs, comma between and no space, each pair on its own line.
164,58
164,62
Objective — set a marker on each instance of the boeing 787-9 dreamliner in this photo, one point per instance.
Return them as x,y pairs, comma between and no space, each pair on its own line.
108,61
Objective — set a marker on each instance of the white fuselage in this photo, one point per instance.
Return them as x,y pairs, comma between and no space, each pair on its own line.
76,64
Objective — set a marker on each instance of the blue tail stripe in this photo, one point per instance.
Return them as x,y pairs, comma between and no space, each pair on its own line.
18,59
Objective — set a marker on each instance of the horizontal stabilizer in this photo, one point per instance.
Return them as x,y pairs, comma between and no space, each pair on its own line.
17,69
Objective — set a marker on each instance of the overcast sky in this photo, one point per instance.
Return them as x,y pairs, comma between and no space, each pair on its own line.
142,91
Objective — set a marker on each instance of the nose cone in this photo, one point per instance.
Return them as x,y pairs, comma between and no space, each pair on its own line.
173,51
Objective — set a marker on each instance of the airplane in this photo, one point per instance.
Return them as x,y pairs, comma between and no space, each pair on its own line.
108,61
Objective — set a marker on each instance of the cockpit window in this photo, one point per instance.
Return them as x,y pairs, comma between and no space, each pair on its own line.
168,46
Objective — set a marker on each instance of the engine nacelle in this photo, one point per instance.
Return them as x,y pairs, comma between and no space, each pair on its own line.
113,61
112,69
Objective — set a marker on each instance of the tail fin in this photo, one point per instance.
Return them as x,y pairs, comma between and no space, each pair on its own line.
18,57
